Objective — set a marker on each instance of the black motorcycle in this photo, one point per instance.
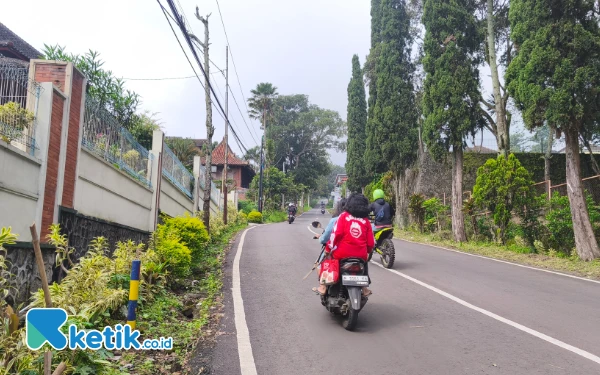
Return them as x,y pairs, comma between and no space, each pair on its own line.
322,210
291,217
345,297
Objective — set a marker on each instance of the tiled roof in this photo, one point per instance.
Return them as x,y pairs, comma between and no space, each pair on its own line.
10,39
218,156
199,143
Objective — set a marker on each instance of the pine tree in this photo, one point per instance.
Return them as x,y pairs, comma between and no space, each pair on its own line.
555,78
357,121
371,63
451,88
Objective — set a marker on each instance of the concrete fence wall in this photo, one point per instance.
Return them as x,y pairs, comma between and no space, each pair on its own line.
62,182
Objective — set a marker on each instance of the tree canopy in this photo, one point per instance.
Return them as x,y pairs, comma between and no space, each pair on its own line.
357,122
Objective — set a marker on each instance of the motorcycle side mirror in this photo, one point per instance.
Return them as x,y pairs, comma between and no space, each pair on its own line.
316,224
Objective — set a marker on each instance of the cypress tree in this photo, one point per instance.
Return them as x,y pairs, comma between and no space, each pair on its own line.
451,88
357,121
555,78
392,127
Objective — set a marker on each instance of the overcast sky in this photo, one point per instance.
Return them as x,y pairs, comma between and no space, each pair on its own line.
302,47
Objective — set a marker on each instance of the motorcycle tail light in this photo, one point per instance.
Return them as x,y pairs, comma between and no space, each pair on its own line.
353,267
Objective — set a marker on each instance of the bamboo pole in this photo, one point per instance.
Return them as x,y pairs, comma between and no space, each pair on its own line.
42,270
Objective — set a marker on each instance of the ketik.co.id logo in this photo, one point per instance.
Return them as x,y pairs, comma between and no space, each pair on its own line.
44,326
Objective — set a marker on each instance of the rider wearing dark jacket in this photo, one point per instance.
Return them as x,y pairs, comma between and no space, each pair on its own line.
379,204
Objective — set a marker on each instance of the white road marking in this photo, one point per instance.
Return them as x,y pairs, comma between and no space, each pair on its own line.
247,365
503,261
497,317
310,230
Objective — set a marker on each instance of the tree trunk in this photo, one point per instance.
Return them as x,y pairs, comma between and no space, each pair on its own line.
585,242
458,220
548,154
209,133
502,130
401,201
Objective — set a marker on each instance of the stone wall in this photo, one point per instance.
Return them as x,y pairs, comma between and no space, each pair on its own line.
22,265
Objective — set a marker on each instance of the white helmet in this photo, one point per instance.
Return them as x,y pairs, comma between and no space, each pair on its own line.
291,204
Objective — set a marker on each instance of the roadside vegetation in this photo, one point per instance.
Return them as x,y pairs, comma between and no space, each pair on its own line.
180,293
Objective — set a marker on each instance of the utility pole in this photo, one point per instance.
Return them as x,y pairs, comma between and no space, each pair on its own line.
209,127
224,182
260,181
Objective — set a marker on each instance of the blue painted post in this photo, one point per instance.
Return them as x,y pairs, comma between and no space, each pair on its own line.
134,288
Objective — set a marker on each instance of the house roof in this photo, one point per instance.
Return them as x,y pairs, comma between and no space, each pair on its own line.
480,150
13,42
199,143
218,156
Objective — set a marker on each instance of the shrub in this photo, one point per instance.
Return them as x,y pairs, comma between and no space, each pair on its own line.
417,211
175,255
275,217
217,226
435,213
560,224
255,217
502,185
189,230
247,206
17,118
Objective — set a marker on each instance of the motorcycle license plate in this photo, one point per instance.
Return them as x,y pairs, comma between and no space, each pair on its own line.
353,280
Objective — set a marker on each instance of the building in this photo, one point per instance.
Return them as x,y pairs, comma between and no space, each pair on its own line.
336,194
240,172
13,47
584,150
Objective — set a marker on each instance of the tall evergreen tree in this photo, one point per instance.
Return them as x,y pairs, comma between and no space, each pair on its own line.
357,121
392,130
451,88
371,63
555,78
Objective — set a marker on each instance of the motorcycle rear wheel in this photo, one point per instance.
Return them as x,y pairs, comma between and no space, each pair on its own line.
389,253
350,320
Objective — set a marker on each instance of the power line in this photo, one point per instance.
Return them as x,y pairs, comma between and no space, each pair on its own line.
234,123
156,79
233,60
183,29
176,37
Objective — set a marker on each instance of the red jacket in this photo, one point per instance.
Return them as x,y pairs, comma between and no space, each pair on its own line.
352,237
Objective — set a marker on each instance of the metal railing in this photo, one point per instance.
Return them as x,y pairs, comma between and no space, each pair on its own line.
104,136
17,122
215,193
174,170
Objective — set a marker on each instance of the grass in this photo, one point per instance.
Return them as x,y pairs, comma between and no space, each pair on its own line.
512,253
164,316
274,216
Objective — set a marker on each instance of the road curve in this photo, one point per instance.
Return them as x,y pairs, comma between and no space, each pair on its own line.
407,327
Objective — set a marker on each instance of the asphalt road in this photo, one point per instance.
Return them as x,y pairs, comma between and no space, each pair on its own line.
441,313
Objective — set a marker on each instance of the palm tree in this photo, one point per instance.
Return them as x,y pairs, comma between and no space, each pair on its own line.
261,102
253,155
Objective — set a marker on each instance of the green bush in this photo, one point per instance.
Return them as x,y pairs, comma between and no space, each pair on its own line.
217,226
560,224
417,211
503,185
189,230
435,214
247,206
255,217
275,216
175,254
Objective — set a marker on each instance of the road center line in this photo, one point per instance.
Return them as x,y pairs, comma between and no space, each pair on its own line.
497,317
502,261
247,365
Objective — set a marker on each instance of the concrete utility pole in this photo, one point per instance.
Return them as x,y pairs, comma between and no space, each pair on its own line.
260,181
209,127
224,182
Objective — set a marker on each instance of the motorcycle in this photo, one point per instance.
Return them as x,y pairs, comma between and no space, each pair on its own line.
385,247
291,217
322,211
345,297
